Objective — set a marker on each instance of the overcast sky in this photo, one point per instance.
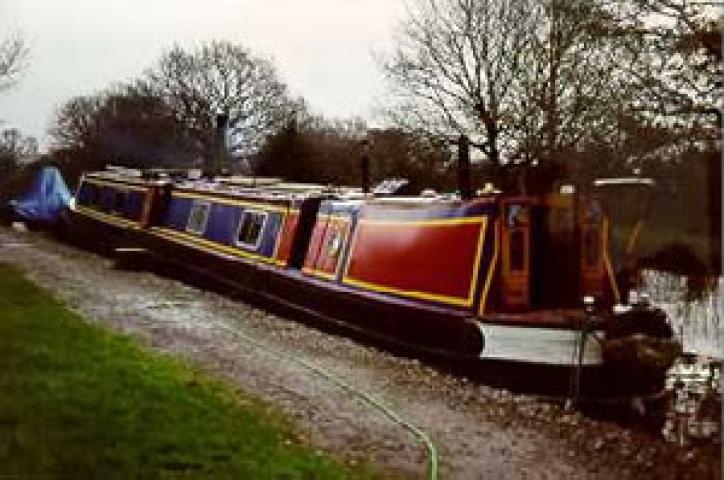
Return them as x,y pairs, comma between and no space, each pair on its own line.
322,48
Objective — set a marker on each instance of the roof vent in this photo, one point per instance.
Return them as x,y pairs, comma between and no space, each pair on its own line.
391,186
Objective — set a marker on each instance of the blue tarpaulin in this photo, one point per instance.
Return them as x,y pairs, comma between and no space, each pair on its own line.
46,200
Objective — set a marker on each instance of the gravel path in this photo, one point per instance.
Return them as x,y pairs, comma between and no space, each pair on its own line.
480,432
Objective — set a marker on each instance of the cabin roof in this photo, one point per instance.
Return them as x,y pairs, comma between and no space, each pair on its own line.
116,177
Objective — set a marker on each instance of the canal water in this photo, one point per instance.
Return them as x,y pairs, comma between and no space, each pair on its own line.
693,413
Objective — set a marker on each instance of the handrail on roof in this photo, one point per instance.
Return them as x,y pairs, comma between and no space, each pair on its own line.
603,182
154,173
124,171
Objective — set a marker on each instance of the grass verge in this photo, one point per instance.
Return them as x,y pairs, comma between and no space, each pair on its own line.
77,401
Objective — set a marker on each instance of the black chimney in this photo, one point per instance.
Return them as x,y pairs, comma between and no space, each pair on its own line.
365,160
219,161
464,182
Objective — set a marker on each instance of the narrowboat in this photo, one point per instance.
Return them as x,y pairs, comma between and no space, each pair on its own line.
493,277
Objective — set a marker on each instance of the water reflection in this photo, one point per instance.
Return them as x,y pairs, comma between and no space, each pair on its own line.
693,304
694,393
693,383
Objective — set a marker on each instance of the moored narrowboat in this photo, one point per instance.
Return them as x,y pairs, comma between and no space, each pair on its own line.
494,277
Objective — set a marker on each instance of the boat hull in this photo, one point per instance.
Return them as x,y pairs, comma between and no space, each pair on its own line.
536,358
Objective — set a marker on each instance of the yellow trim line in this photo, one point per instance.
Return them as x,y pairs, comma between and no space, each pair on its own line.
462,302
106,218
319,273
491,269
408,293
174,235
607,263
436,222
231,201
208,245
123,186
634,235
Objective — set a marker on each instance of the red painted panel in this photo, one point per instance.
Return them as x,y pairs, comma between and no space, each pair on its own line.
315,243
432,258
284,250
332,247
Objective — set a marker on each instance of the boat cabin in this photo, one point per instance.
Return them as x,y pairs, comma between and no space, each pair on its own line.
490,254
494,276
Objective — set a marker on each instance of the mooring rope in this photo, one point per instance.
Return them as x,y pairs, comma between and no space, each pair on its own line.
369,399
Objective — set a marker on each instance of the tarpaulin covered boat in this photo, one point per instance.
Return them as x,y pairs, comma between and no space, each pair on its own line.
46,200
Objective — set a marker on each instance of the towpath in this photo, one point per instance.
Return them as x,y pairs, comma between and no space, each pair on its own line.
481,432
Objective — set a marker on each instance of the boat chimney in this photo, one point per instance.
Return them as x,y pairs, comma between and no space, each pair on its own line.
365,161
217,160
464,182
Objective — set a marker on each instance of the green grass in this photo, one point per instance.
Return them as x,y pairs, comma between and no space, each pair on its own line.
77,401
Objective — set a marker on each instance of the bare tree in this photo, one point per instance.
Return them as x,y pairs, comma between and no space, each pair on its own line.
457,65
528,81
15,147
676,64
674,60
125,126
76,122
312,148
221,77
573,92
13,142
14,54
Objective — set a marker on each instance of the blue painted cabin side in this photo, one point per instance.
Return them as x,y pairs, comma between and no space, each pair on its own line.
116,199
220,221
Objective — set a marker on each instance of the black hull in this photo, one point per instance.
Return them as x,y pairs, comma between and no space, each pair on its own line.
438,331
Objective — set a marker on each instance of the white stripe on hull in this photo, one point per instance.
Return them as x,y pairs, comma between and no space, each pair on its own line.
549,346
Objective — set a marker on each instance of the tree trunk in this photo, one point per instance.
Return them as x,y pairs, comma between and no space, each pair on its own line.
464,183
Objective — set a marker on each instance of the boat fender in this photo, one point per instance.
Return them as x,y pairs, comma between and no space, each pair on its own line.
645,354
645,320
475,339
641,342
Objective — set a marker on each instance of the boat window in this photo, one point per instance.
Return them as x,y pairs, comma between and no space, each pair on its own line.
251,226
517,215
198,217
517,250
334,244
